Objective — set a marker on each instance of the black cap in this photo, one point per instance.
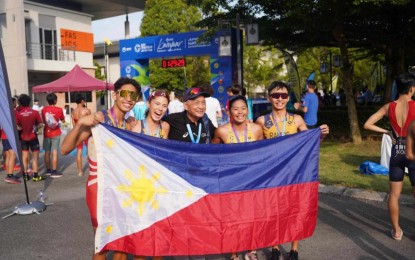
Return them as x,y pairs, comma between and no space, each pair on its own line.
193,93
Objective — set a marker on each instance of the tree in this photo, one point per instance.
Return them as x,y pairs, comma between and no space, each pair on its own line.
261,66
376,27
173,16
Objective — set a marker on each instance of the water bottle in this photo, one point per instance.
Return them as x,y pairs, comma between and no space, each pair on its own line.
41,196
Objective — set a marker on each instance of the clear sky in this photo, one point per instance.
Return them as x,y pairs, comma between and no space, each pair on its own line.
113,28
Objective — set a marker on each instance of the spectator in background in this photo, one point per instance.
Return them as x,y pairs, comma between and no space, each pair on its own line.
213,109
250,116
51,115
139,109
36,106
77,113
9,157
326,98
367,95
342,97
29,120
310,105
176,105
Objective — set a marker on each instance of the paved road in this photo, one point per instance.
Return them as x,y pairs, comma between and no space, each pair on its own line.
347,228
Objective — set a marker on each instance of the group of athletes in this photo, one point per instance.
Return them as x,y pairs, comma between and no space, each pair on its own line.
192,125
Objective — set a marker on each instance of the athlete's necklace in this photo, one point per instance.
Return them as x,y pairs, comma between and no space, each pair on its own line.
236,133
280,133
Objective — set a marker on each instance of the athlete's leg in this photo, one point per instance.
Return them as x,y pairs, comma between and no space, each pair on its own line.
393,205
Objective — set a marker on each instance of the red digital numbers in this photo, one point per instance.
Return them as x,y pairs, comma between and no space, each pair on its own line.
173,63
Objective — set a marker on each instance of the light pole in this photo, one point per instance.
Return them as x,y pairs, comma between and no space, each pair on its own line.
107,42
327,67
251,38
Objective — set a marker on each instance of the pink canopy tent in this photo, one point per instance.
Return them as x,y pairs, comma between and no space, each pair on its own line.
75,80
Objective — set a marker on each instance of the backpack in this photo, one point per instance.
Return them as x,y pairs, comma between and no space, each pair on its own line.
51,121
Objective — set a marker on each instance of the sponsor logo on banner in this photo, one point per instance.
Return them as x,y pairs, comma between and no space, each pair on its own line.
169,45
126,49
142,47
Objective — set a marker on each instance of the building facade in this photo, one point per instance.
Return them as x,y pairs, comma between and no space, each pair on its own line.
42,40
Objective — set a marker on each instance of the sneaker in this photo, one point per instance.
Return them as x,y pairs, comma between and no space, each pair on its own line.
275,254
55,174
293,255
39,178
251,255
12,180
48,172
26,177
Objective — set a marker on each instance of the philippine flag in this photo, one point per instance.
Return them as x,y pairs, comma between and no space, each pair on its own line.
163,198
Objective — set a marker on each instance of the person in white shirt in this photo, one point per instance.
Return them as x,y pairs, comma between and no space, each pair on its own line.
176,106
36,105
213,108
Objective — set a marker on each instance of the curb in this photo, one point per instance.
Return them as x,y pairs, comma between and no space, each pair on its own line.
363,194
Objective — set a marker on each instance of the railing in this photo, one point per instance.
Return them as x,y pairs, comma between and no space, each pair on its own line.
50,52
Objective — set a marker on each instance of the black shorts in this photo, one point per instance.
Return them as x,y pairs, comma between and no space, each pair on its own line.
6,144
32,144
397,164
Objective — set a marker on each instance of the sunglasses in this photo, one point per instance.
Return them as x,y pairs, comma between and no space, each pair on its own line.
194,91
279,95
158,93
128,93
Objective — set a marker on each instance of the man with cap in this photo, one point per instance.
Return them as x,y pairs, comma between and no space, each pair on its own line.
191,125
310,105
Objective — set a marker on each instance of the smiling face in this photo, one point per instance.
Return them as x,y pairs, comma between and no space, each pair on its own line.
279,102
239,111
157,107
124,97
195,108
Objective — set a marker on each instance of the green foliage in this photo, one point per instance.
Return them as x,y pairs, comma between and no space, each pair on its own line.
262,65
167,17
340,161
98,71
338,120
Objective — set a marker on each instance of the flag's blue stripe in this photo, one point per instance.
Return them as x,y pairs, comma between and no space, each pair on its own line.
218,168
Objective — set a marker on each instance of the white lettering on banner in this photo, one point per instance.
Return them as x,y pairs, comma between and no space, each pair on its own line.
169,45
125,49
142,47
193,43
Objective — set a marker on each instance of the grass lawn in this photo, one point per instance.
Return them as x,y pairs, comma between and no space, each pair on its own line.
339,165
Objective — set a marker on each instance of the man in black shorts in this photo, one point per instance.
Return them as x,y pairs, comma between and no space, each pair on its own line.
191,125
29,120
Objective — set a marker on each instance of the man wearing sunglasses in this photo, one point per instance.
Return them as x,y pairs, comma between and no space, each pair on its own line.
125,96
191,125
280,123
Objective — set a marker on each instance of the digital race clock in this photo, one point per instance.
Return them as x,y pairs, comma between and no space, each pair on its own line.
173,63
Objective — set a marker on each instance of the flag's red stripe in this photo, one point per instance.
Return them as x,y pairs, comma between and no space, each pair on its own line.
230,222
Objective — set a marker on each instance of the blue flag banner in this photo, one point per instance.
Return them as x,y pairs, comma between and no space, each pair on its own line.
162,197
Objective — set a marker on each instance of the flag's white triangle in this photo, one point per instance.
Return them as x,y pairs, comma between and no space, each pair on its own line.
134,190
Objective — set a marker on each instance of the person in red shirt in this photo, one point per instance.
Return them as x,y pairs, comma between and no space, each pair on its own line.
51,115
29,120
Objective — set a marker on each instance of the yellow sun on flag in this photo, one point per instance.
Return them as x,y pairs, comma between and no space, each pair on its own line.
108,229
110,143
142,190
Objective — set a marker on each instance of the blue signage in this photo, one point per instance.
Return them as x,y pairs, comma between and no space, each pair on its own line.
161,46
